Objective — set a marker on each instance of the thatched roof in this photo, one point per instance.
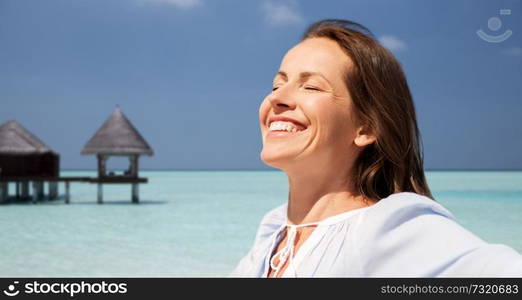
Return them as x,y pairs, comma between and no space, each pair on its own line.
117,136
15,139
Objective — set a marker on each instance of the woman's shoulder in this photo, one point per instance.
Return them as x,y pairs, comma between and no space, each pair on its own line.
404,212
407,203
250,265
271,222
276,216
407,234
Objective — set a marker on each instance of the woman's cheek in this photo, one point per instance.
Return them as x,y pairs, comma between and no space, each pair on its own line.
332,123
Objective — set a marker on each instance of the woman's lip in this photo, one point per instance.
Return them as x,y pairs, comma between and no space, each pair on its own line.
282,133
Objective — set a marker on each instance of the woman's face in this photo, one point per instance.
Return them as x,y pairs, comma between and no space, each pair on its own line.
307,119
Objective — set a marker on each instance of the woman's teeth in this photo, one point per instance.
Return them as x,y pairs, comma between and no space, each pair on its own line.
283,126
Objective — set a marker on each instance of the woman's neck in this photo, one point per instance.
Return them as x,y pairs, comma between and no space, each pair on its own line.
314,197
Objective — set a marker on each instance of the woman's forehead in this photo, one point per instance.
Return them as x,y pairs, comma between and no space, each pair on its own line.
320,55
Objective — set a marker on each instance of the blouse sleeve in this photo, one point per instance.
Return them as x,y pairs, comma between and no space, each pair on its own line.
249,265
414,236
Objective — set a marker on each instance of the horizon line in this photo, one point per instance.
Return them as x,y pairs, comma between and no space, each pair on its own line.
264,170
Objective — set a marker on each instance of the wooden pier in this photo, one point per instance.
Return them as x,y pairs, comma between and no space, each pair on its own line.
23,184
28,163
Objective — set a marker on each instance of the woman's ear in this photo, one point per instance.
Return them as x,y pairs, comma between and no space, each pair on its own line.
364,137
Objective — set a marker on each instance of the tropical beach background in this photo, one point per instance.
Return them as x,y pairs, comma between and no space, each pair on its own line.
190,75
200,223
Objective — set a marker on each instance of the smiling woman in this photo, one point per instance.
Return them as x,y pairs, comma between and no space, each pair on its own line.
340,122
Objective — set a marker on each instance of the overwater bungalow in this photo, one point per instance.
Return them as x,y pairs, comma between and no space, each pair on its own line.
118,137
24,158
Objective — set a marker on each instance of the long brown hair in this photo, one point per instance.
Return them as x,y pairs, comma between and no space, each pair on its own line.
382,102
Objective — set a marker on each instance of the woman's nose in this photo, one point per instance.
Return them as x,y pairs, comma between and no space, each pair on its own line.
282,99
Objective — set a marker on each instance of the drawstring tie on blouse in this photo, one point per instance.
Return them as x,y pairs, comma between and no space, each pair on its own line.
287,252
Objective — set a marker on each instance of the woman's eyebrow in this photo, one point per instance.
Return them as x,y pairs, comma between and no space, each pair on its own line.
304,75
309,74
282,74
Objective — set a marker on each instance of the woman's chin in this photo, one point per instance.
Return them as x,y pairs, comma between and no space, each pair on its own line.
276,159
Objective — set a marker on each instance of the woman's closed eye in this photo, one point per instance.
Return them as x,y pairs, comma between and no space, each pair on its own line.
307,87
312,88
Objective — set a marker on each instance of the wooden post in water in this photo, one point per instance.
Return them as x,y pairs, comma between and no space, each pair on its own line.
134,173
135,193
100,193
67,193
3,191
40,190
25,189
53,190
35,191
18,190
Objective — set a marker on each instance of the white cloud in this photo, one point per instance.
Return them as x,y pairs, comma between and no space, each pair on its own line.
393,43
184,4
282,13
513,51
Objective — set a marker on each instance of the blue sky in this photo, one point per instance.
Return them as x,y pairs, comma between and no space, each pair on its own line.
190,74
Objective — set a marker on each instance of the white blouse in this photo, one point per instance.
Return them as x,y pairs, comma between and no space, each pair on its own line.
403,235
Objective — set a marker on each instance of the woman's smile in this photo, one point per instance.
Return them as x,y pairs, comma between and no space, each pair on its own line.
282,127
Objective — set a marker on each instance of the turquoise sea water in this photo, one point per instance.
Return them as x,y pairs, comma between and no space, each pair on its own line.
192,224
